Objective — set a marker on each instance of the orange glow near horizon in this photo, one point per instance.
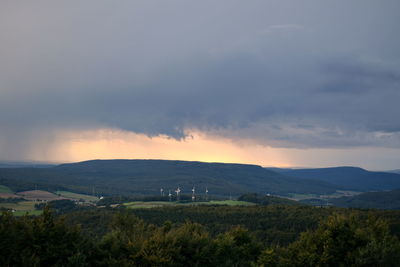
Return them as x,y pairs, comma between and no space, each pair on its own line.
73,146
116,144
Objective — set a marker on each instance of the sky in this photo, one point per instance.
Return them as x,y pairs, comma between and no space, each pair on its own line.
284,83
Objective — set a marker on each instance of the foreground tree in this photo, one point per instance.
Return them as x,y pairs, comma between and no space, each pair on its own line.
339,241
122,244
131,242
188,244
236,247
41,241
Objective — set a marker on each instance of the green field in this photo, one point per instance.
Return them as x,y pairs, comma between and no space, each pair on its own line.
147,204
154,204
5,189
72,195
298,197
228,202
21,208
30,212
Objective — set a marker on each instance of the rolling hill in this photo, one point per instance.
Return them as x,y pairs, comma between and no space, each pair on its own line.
376,200
127,177
349,178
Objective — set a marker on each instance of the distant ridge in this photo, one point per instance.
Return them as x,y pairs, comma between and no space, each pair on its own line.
350,178
21,164
127,177
376,200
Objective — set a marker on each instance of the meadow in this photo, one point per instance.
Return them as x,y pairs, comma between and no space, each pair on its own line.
22,208
23,203
154,204
71,195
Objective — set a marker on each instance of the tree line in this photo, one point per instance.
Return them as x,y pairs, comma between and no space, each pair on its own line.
49,240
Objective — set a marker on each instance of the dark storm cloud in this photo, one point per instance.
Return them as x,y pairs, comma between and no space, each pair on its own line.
358,77
283,73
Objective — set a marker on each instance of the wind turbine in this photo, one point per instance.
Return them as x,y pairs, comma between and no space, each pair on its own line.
193,194
177,191
162,192
206,194
169,195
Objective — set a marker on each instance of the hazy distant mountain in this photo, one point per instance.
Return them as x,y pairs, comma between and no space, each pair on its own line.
377,200
148,176
395,171
351,178
17,164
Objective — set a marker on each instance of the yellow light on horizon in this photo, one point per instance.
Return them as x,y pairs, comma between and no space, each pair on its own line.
197,146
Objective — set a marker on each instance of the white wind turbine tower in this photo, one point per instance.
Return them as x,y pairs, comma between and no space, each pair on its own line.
193,194
177,191
206,194
162,192
169,195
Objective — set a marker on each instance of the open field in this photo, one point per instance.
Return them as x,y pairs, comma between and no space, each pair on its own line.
342,193
21,208
5,189
298,197
154,204
71,195
36,196
228,202
9,195
23,205
337,194
30,212
148,204
39,195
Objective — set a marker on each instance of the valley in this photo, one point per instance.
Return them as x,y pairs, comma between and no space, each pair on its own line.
221,208
138,180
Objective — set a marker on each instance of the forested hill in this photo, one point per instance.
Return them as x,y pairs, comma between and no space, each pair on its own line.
376,200
351,178
110,177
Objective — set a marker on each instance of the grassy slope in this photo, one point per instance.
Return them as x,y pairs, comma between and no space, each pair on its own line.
28,207
153,204
38,195
5,189
21,208
229,203
72,195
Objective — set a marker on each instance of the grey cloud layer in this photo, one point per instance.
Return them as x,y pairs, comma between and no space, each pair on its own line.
284,73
